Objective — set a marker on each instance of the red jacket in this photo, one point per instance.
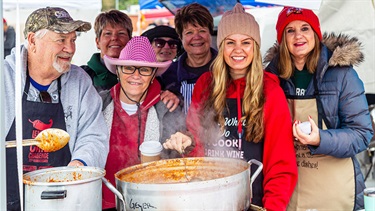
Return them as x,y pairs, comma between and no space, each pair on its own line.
275,187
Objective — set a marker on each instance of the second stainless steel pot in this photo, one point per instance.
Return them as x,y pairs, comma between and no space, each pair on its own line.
64,188
205,183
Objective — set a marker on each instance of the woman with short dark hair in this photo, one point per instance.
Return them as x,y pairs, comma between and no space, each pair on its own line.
194,25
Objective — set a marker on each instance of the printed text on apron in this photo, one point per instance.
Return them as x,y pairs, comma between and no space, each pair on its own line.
36,116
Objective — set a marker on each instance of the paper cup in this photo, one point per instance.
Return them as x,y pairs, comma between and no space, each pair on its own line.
305,127
150,151
369,199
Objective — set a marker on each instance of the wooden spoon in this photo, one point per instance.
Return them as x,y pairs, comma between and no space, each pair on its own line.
49,140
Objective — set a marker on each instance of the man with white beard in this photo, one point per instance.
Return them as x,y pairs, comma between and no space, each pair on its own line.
55,94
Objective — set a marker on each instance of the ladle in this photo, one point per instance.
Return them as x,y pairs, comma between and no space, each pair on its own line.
182,153
187,177
49,140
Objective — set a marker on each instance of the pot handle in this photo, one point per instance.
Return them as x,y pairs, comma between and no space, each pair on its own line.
115,191
53,195
256,173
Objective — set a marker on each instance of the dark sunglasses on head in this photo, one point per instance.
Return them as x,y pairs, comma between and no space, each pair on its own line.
160,43
145,71
45,97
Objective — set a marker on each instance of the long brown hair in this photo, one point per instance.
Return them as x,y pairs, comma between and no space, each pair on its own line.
286,65
253,99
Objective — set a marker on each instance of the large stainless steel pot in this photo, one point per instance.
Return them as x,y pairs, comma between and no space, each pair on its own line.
64,188
205,183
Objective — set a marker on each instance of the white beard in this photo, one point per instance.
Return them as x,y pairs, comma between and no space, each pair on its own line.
59,68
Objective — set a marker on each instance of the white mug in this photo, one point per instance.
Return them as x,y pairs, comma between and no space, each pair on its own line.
369,199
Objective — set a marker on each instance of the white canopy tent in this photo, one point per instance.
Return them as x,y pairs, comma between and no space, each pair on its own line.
67,4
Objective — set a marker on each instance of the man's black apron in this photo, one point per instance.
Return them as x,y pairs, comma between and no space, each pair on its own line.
36,116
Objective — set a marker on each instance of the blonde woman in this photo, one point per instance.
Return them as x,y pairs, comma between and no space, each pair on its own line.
239,111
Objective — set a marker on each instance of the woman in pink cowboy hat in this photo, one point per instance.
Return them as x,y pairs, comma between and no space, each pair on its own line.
133,109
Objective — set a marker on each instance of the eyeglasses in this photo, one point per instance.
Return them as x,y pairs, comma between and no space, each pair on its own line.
145,71
45,97
160,43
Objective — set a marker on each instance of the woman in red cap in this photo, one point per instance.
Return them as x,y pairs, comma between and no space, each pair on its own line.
324,91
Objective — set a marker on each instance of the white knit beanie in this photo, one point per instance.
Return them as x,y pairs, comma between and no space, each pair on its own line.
237,21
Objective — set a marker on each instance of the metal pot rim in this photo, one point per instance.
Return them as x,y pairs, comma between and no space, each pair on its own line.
183,186
214,182
66,169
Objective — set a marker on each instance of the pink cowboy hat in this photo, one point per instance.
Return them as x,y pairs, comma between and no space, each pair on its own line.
137,52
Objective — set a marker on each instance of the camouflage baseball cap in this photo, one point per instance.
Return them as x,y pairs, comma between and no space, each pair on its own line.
55,19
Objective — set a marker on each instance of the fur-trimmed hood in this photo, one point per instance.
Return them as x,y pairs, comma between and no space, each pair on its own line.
346,50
